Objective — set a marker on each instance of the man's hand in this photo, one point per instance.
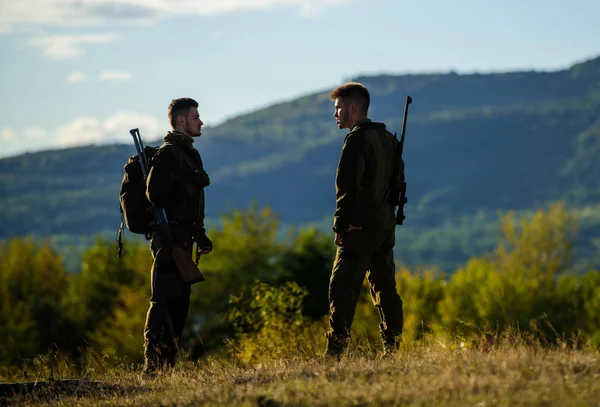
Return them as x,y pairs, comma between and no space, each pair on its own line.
338,236
204,245
338,239
205,250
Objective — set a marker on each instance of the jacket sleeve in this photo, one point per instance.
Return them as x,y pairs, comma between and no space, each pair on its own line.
160,187
348,181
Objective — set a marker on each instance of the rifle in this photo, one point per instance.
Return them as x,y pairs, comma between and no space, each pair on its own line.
399,181
188,270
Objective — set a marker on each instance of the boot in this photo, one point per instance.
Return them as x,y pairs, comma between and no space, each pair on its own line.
336,346
390,349
391,344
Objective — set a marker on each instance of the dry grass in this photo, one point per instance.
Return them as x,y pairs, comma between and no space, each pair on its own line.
432,375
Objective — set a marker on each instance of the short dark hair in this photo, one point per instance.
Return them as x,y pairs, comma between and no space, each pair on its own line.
179,107
354,91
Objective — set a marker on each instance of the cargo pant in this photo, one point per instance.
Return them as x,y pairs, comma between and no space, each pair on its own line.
169,305
364,252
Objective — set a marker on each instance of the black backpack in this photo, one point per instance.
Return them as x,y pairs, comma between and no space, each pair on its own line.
136,210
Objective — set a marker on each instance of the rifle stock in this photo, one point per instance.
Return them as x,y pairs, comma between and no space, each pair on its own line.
399,177
188,270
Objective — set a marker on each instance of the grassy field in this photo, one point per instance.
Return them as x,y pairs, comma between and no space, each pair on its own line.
426,375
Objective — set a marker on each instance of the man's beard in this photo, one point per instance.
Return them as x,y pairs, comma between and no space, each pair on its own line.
189,131
343,121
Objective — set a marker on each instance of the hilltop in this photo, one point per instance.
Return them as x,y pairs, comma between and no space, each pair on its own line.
476,144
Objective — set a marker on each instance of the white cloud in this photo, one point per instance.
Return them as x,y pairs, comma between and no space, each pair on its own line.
119,125
85,131
99,12
114,75
77,77
91,130
81,130
7,135
69,46
4,28
107,75
70,13
18,14
36,133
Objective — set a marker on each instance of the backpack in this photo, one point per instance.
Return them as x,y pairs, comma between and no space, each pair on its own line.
137,213
136,210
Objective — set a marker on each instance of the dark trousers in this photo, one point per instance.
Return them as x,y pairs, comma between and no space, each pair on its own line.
169,305
363,253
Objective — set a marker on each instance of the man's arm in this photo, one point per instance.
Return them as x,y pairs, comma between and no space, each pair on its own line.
159,185
349,173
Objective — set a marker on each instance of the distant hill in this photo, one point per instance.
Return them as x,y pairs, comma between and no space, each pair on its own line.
475,144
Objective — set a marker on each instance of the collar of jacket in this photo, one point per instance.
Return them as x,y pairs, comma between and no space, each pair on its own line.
179,138
367,124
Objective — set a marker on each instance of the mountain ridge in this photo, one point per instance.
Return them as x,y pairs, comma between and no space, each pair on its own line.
475,143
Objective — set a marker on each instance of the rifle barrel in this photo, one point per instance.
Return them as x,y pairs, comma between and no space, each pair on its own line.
161,215
408,102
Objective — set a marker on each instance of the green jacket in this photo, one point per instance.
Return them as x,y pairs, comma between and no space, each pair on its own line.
177,180
364,178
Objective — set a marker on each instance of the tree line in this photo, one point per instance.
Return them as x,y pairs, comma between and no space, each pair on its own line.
266,293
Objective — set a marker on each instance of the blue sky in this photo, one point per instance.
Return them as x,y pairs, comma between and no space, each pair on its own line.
86,71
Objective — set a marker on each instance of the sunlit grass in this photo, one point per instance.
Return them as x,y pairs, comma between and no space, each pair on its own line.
437,373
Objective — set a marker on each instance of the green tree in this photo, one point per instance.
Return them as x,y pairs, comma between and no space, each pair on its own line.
122,332
34,316
307,259
246,248
268,323
523,284
590,295
95,293
421,294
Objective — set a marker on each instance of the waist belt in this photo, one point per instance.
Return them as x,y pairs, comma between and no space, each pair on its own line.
192,227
